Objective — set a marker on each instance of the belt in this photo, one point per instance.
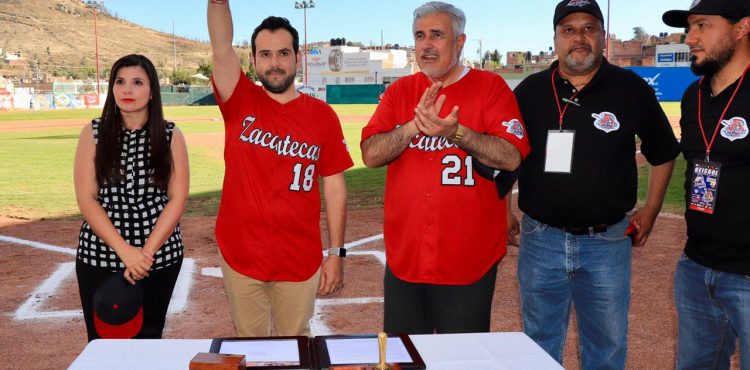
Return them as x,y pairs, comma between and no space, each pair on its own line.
601,228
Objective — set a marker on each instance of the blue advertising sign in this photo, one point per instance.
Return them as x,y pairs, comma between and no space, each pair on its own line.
665,58
669,83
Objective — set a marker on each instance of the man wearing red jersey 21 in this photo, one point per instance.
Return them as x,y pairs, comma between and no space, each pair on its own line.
278,142
444,233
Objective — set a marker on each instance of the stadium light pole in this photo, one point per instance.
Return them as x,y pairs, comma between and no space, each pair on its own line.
93,6
304,5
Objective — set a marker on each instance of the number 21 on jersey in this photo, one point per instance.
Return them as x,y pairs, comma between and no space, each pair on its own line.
453,166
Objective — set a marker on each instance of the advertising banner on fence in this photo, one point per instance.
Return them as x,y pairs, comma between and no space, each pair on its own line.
669,83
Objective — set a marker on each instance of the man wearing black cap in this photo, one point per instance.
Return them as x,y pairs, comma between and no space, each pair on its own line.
712,281
578,185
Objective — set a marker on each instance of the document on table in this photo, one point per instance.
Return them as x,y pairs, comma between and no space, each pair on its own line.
264,352
365,351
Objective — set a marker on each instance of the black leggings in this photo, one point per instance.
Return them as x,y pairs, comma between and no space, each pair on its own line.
157,292
413,308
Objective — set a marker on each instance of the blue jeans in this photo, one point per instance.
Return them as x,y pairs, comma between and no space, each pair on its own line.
591,272
713,311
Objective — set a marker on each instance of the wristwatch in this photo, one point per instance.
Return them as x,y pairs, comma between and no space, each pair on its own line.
337,251
457,135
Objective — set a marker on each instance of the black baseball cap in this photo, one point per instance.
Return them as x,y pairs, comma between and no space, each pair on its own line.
731,9
118,308
567,7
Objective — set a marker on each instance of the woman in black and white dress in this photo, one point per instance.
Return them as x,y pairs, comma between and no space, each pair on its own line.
131,180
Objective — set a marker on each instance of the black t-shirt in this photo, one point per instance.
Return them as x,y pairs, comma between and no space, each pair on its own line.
720,241
603,184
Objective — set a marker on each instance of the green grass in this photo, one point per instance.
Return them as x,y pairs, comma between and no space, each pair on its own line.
36,175
671,108
169,112
674,200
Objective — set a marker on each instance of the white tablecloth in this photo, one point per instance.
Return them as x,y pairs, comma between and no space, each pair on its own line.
475,351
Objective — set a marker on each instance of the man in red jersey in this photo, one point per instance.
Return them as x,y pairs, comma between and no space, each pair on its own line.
444,225
278,142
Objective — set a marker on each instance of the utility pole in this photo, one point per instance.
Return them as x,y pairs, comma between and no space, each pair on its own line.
481,57
608,33
174,49
96,45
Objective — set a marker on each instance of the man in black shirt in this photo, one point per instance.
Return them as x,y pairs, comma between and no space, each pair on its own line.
712,281
579,183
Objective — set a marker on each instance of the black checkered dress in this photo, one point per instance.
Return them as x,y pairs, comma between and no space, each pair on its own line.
133,205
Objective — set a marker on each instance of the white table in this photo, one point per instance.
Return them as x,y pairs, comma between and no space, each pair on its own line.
485,351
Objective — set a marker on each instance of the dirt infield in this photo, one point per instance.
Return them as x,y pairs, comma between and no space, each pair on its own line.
48,339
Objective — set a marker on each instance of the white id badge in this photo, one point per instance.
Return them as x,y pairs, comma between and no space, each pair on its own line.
559,157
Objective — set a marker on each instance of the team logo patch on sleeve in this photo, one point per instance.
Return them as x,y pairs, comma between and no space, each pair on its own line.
734,128
606,122
514,127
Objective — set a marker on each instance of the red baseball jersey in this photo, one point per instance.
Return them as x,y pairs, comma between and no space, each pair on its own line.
444,224
268,226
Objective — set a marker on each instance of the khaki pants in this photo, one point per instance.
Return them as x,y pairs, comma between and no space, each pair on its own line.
252,302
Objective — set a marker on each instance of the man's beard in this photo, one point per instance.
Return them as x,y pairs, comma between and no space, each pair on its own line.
276,88
713,63
580,67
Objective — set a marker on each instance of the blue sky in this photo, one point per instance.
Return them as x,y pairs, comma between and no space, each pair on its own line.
500,24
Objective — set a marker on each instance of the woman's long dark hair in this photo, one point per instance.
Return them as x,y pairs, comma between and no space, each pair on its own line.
107,161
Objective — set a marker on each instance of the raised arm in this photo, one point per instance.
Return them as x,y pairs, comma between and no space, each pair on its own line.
227,67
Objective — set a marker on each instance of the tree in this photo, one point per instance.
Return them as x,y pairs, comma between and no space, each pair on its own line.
496,56
205,68
180,77
247,66
639,33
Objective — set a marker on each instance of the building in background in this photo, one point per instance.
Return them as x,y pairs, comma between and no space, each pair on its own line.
355,68
673,55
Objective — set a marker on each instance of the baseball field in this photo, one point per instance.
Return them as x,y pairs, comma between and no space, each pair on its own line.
41,326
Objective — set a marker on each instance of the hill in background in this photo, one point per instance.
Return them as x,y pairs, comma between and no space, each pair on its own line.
58,36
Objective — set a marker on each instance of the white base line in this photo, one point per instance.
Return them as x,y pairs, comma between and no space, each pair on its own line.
357,243
31,309
47,247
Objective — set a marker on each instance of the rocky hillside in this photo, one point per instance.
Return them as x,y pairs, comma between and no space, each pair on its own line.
59,36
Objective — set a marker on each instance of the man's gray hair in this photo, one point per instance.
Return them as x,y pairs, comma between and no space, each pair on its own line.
458,18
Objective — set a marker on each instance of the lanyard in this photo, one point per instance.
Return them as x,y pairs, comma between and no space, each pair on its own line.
721,118
560,109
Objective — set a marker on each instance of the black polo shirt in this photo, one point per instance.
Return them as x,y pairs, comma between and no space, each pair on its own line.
604,180
720,241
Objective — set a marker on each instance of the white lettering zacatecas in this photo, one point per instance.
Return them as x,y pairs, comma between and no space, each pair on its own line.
286,146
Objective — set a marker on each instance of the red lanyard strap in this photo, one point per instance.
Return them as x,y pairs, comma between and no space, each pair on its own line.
560,109
721,118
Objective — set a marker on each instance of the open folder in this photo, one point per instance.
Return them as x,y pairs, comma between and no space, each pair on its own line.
321,352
